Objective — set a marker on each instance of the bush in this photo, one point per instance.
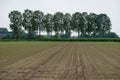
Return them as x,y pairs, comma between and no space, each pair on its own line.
83,39
69,39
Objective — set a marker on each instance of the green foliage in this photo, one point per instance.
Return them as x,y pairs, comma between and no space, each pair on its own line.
58,22
112,35
16,23
86,25
103,24
83,39
48,24
43,38
38,20
67,25
76,22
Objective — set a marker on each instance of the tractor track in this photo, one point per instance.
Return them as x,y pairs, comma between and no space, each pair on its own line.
17,71
68,61
79,65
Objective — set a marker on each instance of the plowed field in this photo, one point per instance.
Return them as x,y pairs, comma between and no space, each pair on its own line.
59,61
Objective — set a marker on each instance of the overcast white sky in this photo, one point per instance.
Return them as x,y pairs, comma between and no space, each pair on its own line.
109,7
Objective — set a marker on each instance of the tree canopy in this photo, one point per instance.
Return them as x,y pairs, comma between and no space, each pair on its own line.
86,25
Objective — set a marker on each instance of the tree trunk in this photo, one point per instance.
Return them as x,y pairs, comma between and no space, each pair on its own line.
39,31
94,34
66,34
51,34
84,34
48,34
17,36
78,33
62,34
30,34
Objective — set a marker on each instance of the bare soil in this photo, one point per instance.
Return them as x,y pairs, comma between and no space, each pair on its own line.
68,61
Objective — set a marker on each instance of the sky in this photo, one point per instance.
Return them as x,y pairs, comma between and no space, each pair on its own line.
109,7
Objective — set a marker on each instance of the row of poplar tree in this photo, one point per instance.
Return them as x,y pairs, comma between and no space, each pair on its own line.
61,24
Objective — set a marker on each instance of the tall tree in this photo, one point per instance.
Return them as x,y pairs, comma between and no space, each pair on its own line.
83,23
16,23
48,24
38,17
58,22
76,22
104,24
67,25
28,23
92,24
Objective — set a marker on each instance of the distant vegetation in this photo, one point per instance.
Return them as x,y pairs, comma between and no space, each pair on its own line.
26,25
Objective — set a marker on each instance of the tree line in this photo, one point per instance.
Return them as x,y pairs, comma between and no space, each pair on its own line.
86,25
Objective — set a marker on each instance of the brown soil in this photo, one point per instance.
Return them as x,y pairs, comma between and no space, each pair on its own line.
70,61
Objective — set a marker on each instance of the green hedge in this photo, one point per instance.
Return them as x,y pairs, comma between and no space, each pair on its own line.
70,39
84,39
